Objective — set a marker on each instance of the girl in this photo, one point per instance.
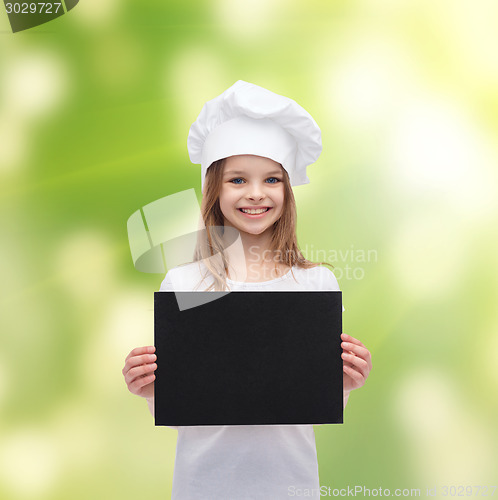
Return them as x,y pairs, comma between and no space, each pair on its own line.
253,145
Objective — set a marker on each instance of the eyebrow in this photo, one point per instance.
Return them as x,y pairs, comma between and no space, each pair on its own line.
238,172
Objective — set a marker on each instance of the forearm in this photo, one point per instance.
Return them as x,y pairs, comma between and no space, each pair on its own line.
345,397
150,404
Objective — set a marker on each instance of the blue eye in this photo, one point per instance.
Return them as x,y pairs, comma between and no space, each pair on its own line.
237,179
276,180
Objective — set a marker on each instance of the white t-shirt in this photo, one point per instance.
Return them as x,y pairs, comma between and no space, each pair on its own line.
235,462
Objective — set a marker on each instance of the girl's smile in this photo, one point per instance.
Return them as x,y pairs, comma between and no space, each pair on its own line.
255,212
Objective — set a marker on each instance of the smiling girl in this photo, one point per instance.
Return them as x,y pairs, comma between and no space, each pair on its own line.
253,146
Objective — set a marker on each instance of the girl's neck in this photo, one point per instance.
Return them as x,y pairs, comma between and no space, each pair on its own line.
252,260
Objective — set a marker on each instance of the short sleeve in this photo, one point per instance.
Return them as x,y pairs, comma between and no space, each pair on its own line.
167,283
184,278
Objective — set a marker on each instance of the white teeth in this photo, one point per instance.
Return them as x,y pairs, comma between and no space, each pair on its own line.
254,211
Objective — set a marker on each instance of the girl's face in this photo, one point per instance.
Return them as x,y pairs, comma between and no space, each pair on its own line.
251,183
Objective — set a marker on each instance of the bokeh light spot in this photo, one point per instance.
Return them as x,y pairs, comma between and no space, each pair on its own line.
367,82
29,463
434,148
34,83
244,20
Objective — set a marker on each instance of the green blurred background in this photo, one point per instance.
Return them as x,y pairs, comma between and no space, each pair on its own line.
95,109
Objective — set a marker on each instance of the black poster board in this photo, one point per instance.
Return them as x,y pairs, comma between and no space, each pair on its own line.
248,358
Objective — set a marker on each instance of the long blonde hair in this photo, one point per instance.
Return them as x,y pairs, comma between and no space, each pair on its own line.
210,242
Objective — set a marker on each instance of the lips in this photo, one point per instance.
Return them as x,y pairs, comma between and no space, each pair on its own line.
256,215
258,210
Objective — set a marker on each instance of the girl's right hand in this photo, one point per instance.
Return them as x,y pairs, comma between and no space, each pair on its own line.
139,370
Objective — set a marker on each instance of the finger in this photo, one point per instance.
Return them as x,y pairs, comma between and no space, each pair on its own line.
140,382
360,351
141,350
354,374
357,362
347,338
139,371
357,349
138,360
347,363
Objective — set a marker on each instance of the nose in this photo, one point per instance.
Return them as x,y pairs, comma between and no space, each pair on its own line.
256,197
255,192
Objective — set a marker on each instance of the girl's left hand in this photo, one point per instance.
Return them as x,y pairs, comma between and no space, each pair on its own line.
357,363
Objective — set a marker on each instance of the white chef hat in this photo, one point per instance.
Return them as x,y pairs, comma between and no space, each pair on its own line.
248,119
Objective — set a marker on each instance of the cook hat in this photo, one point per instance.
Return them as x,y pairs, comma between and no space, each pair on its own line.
248,119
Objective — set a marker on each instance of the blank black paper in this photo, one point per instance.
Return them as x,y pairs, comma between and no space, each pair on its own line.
249,358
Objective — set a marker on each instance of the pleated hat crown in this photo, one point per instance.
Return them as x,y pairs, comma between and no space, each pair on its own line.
249,120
